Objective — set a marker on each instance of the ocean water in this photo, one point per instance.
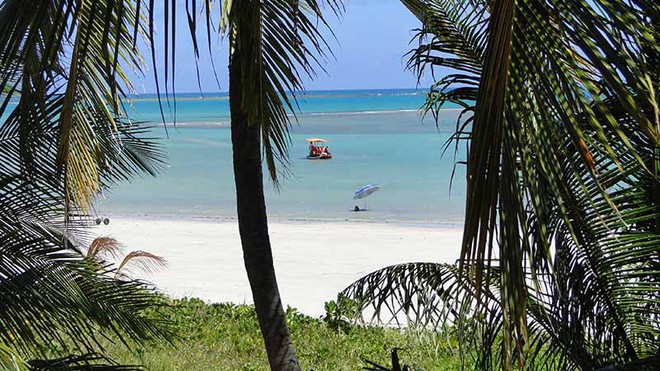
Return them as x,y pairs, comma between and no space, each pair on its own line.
375,136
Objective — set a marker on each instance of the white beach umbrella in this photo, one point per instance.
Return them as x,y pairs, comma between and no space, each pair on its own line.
364,192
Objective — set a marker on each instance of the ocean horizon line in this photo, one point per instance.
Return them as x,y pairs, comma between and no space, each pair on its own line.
224,95
288,92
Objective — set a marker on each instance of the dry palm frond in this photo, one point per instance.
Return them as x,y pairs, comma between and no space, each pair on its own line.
102,247
139,261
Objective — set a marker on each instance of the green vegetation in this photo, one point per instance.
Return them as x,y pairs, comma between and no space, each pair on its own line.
227,337
67,139
64,141
559,265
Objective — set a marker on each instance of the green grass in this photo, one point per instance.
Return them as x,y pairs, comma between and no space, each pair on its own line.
227,337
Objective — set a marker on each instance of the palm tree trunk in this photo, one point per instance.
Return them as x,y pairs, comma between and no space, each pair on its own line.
253,227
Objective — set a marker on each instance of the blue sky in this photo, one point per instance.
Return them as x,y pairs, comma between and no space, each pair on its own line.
372,38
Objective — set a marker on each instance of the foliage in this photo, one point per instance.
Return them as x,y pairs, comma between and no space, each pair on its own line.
559,266
64,138
63,64
226,336
271,44
340,315
67,137
86,362
10,361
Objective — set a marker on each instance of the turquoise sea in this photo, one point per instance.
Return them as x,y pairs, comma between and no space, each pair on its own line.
375,136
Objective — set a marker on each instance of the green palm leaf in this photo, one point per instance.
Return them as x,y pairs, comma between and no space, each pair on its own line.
11,361
287,47
64,138
57,295
418,294
75,91
562,209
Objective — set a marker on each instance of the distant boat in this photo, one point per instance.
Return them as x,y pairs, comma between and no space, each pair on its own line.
317,149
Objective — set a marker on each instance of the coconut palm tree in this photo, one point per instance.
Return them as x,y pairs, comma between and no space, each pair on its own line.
64,137
271,44
559,263
63,62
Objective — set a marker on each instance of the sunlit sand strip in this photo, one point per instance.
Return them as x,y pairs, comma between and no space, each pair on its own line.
313,260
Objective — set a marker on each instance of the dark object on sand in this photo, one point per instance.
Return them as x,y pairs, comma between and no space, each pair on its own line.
363,192
356,208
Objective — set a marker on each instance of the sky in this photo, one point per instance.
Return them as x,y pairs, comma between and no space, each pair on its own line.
372,38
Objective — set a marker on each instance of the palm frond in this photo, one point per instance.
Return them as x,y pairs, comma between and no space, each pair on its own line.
74,93
141,261
562,208
419,294
289,44
58,296
432,296
452,37
64,137
10,360
103,246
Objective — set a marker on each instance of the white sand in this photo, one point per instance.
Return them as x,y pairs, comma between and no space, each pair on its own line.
313,260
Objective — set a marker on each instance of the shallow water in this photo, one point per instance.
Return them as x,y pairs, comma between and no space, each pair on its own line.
376,137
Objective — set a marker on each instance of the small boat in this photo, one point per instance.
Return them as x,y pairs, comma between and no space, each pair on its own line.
317,149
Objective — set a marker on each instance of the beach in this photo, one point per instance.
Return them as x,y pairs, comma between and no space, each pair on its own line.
375,137
314,260
187,214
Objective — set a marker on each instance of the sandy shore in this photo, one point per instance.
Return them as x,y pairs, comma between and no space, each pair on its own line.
313,260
